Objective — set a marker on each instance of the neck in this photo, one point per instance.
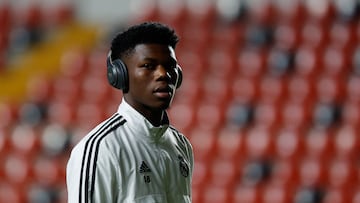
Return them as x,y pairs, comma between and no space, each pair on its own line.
156,119
155,116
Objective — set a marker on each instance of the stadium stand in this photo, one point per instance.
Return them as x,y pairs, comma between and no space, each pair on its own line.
270,99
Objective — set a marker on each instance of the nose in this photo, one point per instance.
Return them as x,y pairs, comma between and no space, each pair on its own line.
162,73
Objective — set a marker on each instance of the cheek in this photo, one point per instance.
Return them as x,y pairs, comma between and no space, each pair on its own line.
139,80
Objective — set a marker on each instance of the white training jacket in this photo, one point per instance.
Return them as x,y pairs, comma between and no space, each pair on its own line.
125,159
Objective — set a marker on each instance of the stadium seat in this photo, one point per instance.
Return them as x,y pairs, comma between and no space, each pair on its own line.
271,90
244,90
204,143
275,193
285,173
306,61
24,139
336,195
258,143
289,143
341,173
215,194
221,62
9,193
294,116
312,172
266,116
47,171
224,173
17,169
346,142
350,115
183,116
210,116
353,89
318,143
246,194
229,144
200,174
251,63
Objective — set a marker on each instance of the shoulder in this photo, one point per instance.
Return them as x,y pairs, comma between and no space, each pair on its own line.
180,137
100,134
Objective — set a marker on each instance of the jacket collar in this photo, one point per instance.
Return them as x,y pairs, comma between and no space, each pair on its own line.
139,123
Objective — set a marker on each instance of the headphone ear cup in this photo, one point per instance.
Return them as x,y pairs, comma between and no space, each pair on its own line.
117,74
180,77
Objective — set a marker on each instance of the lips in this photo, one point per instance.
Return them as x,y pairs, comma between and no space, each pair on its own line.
163,92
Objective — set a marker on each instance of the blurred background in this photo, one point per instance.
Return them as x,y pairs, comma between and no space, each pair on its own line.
270,97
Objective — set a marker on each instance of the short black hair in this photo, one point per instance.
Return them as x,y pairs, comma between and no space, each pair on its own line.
144,33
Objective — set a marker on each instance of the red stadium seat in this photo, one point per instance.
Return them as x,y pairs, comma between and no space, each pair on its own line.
258,143
320,11
271,90
204,143
246,194
266,116
336,195
66,90
346,142
276,193
353,89
17,169
342,35
286,34
224,173
210,116
289,11
248,91
335,62
285,173
221,63
251,63
312,172
289,144
350,114
230,144
10,193
182,116
47,171
341,173
294,116
215,91
215,194
318,143
306,62
201,173
24,139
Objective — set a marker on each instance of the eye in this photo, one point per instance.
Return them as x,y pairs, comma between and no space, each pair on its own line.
148,66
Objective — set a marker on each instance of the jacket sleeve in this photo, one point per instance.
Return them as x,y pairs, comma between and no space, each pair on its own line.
92,176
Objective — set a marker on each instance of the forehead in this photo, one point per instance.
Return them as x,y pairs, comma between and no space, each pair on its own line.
154,51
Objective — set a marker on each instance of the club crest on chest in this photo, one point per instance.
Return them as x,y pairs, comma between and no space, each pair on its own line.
184,168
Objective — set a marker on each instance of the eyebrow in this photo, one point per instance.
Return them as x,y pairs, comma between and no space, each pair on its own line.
172,60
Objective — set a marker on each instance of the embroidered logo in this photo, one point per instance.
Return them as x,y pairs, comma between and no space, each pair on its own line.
144,168
184,168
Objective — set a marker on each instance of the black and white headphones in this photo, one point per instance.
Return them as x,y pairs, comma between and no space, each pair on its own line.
117,74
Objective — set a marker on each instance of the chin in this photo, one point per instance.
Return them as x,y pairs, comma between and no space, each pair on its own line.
164,104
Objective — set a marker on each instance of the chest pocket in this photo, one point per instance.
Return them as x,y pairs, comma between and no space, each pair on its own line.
151,199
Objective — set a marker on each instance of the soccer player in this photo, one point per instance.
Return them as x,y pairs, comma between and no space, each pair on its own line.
136,155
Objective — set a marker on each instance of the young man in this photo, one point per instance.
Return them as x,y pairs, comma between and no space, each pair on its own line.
135,155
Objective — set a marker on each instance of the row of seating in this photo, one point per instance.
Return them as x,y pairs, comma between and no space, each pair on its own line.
22,26
270,104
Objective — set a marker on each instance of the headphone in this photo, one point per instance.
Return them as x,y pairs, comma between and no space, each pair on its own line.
117,74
